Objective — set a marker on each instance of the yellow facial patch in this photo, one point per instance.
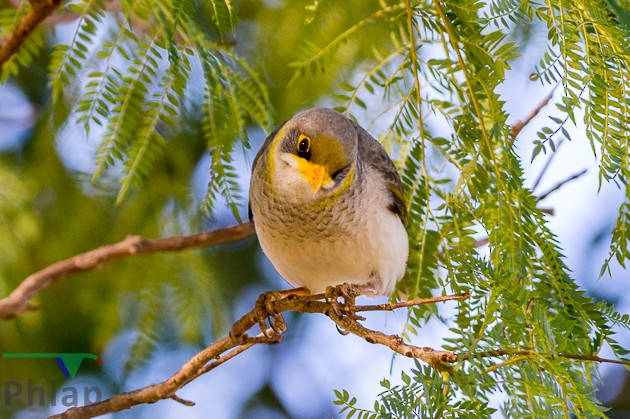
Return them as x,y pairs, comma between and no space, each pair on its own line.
272,151
315,174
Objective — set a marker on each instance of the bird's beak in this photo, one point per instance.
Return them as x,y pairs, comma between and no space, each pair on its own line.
315,174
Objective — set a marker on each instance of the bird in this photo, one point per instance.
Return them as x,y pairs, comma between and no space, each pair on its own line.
328,205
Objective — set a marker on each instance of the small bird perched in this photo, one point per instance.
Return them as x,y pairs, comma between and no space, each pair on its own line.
328,205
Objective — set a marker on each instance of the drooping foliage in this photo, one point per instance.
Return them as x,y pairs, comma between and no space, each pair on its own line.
445,63
138,67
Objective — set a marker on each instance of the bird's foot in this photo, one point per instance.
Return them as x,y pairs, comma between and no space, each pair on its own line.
348,293
272,323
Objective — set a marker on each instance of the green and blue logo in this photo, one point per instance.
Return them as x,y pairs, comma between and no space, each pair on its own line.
69,362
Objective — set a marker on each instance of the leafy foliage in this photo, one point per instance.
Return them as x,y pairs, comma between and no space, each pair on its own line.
17,223
426,394
137,79
523,298
588,54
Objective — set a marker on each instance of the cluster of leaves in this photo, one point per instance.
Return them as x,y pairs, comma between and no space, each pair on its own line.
444,64
136,68
171,312
589,55
424,394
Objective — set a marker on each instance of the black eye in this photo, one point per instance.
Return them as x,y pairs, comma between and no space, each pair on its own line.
304,147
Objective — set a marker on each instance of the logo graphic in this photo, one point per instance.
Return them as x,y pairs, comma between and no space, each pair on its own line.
69,362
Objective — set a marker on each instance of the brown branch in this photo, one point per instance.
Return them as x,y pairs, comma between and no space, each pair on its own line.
561,184
594,359
518,126
40,9
238,341
19,300
343,314
543,171
155,392
481,242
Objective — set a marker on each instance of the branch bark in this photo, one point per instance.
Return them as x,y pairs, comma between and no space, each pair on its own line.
40,10
562,183
269,306
18,301
518,126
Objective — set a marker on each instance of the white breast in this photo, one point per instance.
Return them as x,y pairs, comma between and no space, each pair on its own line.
363,243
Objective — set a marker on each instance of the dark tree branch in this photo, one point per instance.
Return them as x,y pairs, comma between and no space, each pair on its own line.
40,10
342,313
561,184
543,171
518,126
19,300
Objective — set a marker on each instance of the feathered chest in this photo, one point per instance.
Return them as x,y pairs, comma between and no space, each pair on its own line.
280,210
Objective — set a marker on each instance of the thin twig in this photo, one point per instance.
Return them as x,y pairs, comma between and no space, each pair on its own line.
221,360
594,359
182,401
155,392
40,9
409,303
481,242
518,126
547,164
561,184
19,300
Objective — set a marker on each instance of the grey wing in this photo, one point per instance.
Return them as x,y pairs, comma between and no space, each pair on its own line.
375,155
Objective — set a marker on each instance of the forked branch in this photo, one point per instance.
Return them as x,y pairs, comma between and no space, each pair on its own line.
344,314
518,126
238,341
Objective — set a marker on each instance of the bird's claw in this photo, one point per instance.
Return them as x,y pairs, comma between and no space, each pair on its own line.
341,331
348,293
269,321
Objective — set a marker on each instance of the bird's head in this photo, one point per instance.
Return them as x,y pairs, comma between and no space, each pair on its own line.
314,154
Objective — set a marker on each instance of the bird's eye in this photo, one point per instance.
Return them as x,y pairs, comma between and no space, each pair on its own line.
304,147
